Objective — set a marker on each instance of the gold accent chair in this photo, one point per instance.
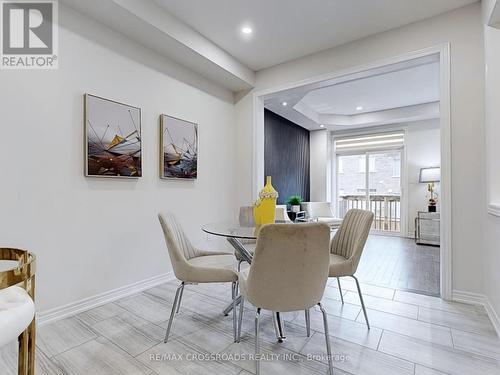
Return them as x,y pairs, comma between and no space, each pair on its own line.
17,307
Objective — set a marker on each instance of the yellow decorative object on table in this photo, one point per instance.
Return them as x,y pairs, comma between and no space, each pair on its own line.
265,207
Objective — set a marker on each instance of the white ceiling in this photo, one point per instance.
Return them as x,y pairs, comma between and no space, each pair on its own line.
288,29
402,92
416,85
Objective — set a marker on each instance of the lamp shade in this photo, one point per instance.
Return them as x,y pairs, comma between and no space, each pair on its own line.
432,174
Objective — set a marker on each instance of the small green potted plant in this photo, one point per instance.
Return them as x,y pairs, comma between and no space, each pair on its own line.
294,201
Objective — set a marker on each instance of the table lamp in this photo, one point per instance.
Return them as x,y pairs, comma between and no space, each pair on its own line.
430,176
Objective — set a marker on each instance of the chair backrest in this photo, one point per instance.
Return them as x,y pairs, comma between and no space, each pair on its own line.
350,239
317,209
246,217
179,247
289,269
281,213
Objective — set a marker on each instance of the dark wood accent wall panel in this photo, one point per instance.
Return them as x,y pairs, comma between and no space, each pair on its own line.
286,156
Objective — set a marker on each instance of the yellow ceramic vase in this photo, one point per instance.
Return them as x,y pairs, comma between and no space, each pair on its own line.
265,207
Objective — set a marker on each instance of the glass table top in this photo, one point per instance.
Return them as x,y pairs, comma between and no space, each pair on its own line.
236,230
228,229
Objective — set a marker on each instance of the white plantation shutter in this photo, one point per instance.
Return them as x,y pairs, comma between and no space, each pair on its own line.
370,142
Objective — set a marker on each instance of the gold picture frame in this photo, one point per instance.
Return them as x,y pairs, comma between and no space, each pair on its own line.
178,149
112,138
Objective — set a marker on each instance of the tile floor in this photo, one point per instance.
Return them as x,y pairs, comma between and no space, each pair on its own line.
411,334
397,262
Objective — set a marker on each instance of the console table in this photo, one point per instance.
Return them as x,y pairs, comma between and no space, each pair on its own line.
427,228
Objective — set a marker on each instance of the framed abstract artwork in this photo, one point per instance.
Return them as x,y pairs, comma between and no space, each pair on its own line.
113,146
178,148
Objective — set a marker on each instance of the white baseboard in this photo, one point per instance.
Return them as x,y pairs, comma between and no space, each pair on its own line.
478,299
52,315
494,209
468,297
493,316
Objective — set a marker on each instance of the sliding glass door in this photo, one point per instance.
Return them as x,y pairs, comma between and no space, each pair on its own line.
371,180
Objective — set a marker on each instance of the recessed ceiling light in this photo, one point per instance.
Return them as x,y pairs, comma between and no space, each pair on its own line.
246,30
322,126
359,108
284,104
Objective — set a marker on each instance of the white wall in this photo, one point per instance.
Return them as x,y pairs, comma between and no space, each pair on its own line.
93,235
318,145
491,258
462,28
423,149
492,111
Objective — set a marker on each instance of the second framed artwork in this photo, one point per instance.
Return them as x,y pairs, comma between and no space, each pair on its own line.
178,148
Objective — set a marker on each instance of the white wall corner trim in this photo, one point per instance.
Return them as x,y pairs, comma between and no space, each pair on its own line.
478,299
58,313
494,209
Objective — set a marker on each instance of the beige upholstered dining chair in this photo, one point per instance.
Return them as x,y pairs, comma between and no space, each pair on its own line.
289,272
347,246
282,214
246,219
193,266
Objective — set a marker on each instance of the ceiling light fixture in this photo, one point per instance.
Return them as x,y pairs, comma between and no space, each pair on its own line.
284,104
246,30
359,108
322,126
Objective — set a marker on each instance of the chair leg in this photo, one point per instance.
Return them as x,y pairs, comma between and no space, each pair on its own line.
234,289
180,299
257,346
308,322
327,338
278,326
22,366
172,313
362,302
239,265
240,319
31,347
340,290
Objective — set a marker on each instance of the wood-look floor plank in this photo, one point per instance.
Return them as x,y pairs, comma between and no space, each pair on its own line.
478,324
399,263
100,313
439,304
63,335
8,361
409,327
488,346
356,359
382,304
147,307
99,357
448,360
348,330
130,332
178,357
